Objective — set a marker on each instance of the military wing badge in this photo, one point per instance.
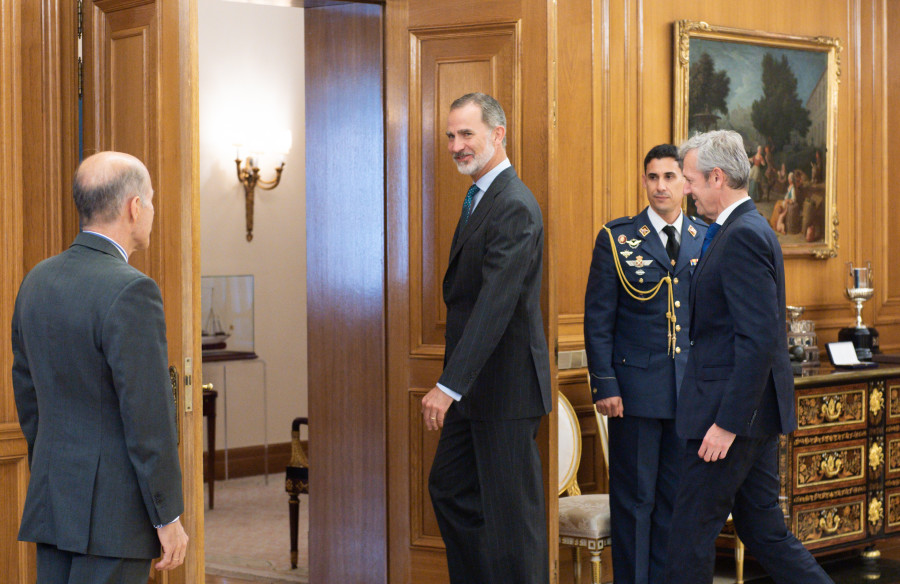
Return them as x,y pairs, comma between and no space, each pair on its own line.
625,253
639,262
633,243
644,231
692,231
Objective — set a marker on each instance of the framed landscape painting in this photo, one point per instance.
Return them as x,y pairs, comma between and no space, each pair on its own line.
780,92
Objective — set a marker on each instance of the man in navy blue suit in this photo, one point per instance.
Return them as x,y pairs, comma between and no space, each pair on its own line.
737,395
636,336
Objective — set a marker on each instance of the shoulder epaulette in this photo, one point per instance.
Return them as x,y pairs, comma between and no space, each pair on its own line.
620,221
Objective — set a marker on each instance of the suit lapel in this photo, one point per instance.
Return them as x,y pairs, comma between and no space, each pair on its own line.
744,207
690,245
480,212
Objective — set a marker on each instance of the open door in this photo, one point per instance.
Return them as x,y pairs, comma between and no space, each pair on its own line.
140,84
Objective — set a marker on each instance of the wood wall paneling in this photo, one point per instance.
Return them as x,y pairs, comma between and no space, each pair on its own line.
346,279
447,63
628,80
16,560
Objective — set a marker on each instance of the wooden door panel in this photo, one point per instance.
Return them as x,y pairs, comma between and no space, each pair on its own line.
120,96
435,54
139,98
447,63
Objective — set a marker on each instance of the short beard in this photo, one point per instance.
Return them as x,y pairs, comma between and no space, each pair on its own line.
478,161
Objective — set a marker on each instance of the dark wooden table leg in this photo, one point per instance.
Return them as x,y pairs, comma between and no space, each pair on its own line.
209,412
294,515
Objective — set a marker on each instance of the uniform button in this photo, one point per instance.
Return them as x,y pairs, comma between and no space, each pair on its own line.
675,281
692,343
678,304
677,328
623,360
641,280
678,349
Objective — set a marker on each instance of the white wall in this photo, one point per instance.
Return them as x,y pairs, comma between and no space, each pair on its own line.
251,71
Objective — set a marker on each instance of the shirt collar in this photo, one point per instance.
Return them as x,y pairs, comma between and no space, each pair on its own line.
111,240
484,183
658,222
723,216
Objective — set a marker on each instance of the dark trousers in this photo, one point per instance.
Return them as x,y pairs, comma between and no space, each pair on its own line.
55,566
745,483
487,492
645,456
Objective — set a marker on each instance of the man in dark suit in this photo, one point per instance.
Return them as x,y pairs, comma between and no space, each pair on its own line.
485,482
738,391
636,338
93,394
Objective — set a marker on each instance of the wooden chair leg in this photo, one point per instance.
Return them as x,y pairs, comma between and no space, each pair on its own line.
294,515
738,560
596,570
576,563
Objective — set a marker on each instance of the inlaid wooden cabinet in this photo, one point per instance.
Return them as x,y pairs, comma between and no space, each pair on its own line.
840,470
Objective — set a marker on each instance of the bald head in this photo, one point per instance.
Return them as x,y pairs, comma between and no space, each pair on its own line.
105,182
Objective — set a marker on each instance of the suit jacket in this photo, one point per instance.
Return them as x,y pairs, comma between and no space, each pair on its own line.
496,354
95,404
738,372
626,340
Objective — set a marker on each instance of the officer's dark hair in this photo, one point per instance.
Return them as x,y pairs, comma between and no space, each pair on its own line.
661,151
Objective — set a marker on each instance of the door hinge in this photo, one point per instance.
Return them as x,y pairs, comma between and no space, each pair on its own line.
80,50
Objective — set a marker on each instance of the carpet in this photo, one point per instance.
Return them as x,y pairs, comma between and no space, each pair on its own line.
247,534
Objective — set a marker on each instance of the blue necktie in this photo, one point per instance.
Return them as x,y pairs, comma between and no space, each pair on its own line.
707,239
467,203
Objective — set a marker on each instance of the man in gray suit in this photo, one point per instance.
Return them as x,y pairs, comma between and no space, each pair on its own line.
485,482
93,394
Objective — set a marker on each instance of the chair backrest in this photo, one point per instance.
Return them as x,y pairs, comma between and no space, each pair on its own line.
568,444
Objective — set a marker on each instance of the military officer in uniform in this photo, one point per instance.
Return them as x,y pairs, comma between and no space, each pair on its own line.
636,336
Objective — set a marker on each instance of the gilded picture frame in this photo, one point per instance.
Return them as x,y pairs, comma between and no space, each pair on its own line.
780,92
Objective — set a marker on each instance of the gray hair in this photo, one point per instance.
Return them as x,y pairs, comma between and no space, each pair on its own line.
100,191
722,149
491,110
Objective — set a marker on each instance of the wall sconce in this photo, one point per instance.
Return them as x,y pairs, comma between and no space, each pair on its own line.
248,174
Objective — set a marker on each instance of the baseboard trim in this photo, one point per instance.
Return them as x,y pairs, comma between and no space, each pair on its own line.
251,460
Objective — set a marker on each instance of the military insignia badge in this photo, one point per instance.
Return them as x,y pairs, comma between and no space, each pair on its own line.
644,231
692,231
625,253
633,243
640,272
639,262
694,261
622,238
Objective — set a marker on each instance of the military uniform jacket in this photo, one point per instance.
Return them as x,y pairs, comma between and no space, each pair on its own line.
627,340
95,404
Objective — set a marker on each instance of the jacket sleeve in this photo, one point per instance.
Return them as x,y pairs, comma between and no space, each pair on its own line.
23,388
601,301
511,248
749,282
134,342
